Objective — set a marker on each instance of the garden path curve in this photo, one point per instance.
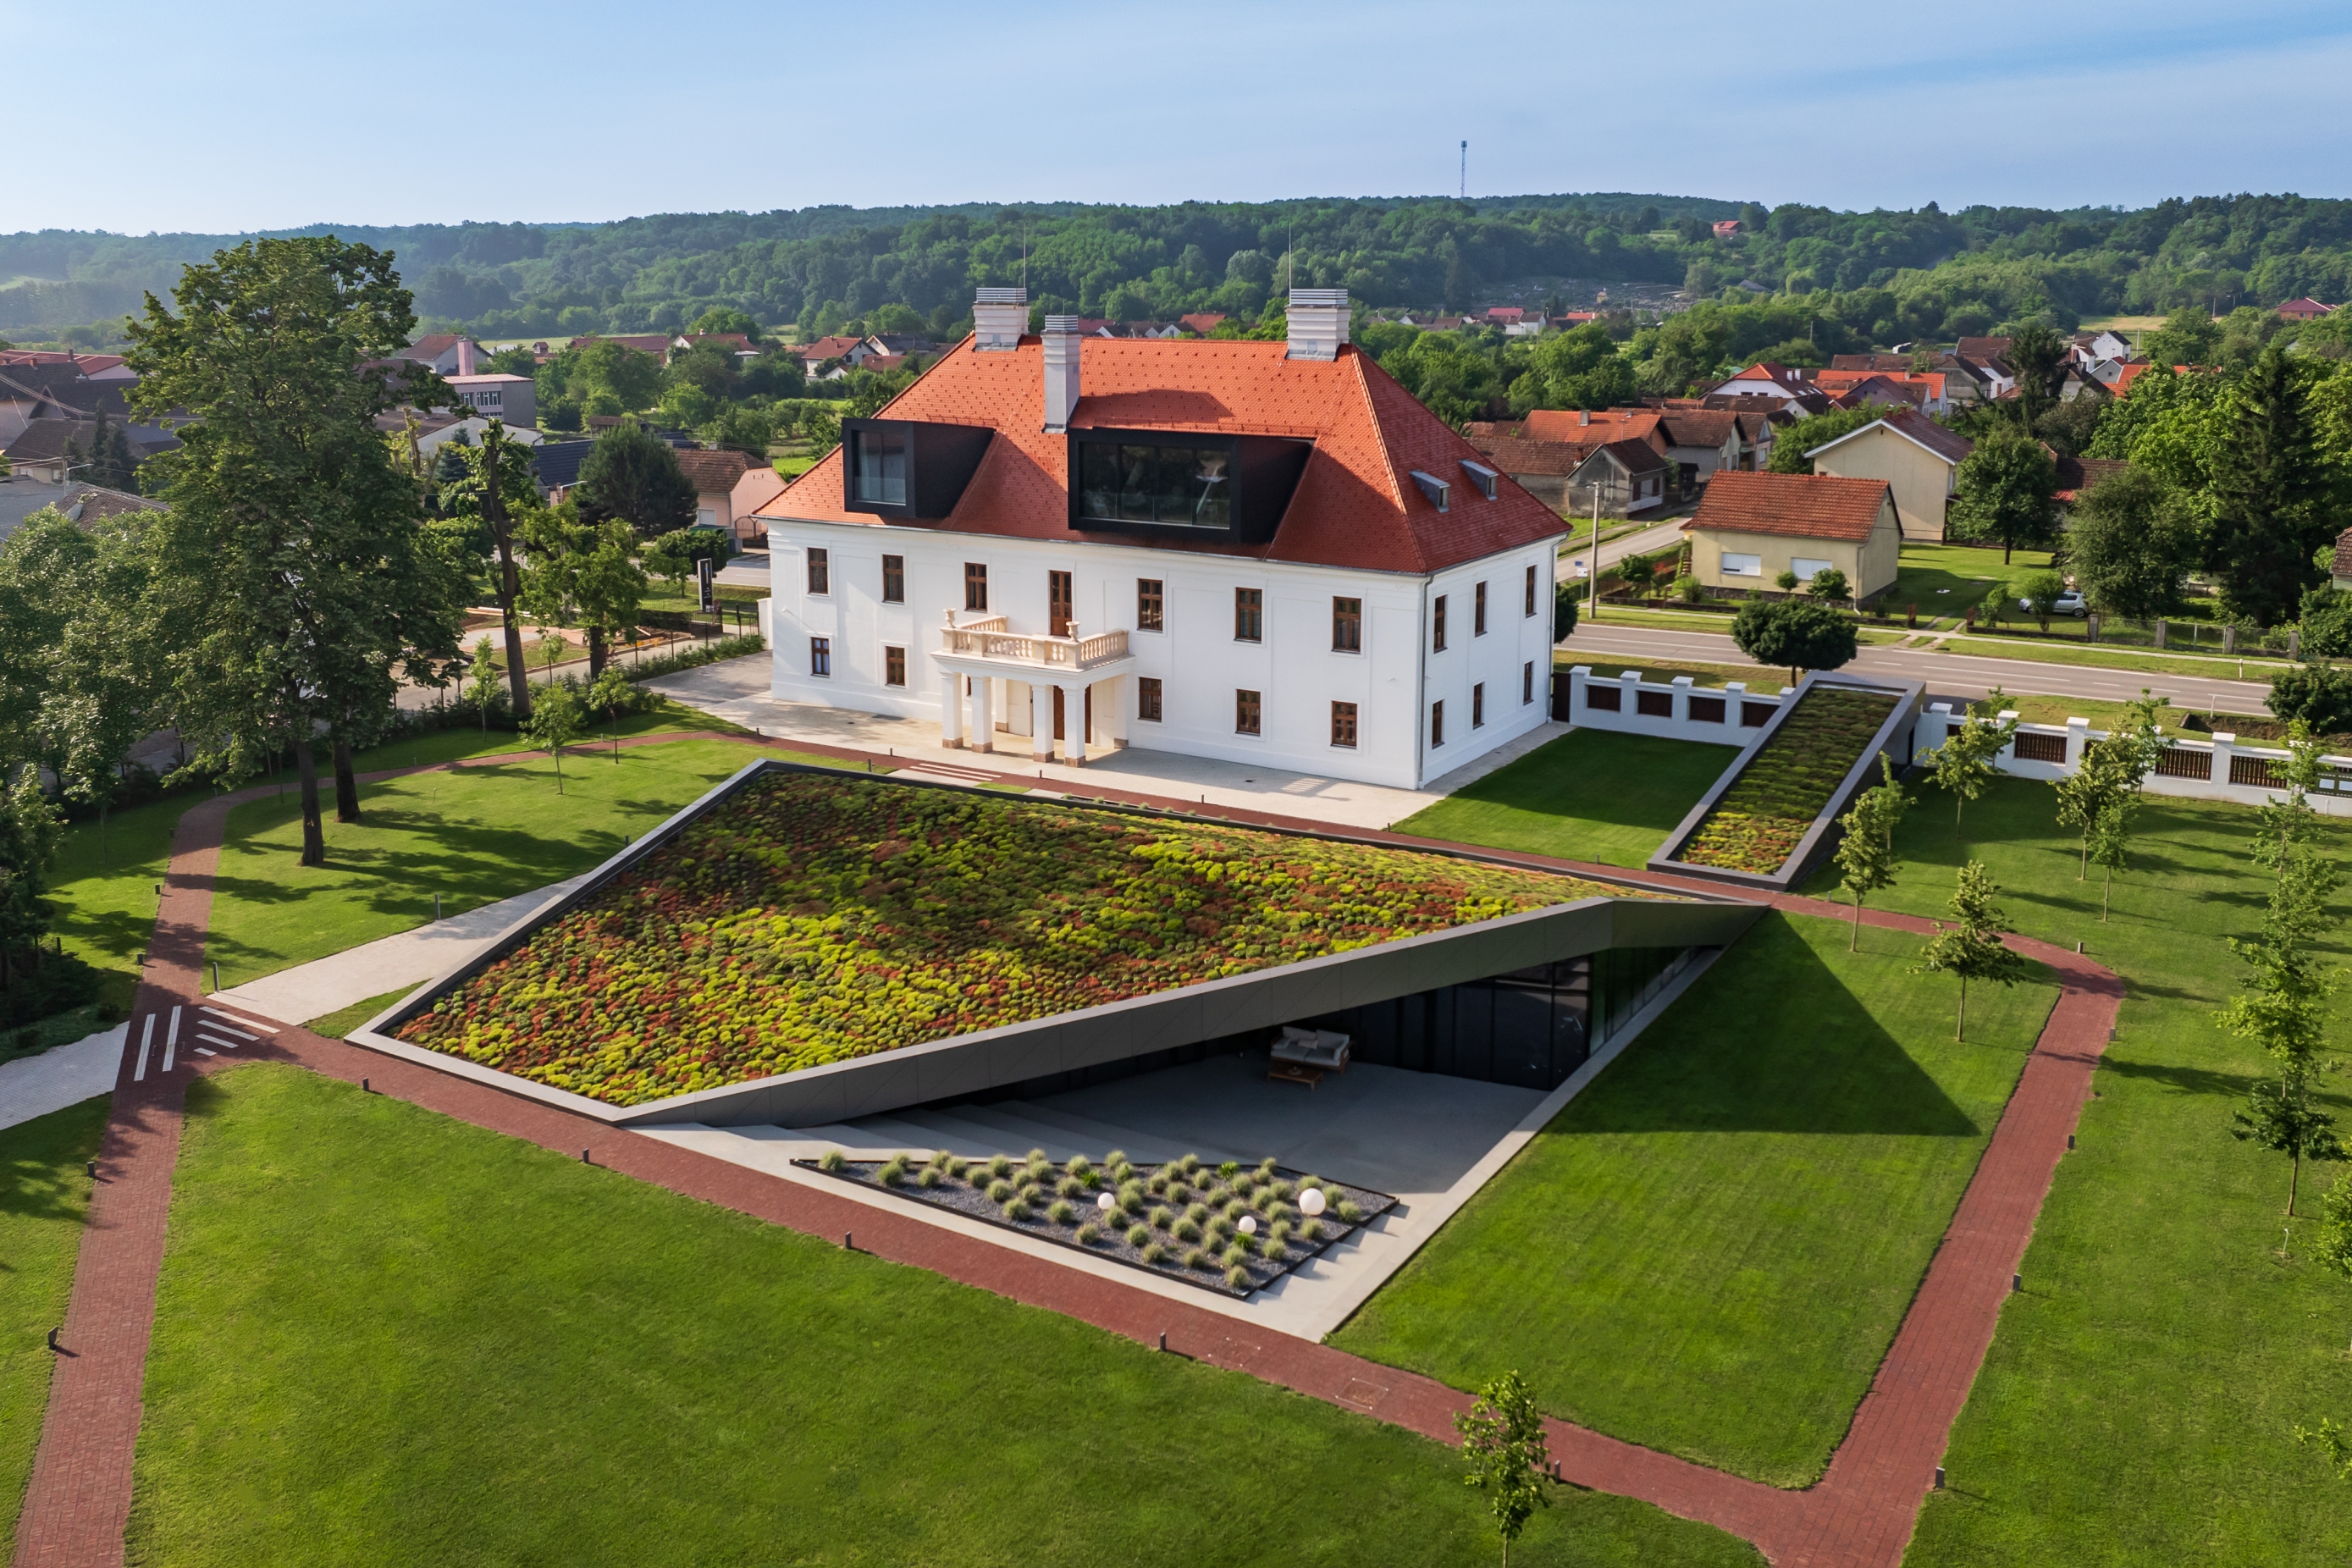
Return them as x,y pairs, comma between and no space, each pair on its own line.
1860,1515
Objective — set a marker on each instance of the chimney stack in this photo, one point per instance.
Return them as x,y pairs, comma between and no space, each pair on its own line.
1584,416
998,317
1319,323
1061,341
466,354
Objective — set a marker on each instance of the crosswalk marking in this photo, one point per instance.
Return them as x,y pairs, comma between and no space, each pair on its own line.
202,1052
216,1039
146,1038
234,1018
171,1039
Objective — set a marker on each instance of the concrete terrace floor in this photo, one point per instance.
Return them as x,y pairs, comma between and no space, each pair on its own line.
737,690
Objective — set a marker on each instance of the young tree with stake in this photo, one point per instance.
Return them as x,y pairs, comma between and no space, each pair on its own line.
2110,845
1965,762
482,681
555,724
1972,947
613,693
1865,856
1503,1443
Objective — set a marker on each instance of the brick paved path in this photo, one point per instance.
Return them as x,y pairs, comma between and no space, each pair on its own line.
1859,1516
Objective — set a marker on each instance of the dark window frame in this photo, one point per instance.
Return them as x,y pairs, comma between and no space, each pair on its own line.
975,587
1149,698
894,664
1478,611
1151,605
1478,705
1347,624
1437,624
894,579
1526,683
1343,725
1249,711
820,570
1437,724
1249,615
821,658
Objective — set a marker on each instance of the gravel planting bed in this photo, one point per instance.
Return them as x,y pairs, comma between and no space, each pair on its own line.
810,919
1182,1220
1758,823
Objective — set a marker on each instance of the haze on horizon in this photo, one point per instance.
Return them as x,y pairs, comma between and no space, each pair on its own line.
271,115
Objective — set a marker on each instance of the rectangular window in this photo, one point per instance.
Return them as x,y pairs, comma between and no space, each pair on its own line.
1531,592
1437,625
1436,724
1478,611
893,667
1528,682
1343,724
819,571
1185,487
1249,617
1736,565
1245,713
1804,569
1057,603
821,655
1478,706
1147,697
881,466
894,579
975,585
1347,625
1151,605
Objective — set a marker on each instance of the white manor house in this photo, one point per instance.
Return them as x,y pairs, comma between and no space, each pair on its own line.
1260,551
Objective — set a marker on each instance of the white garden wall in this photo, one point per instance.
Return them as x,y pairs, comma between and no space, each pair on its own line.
2214,769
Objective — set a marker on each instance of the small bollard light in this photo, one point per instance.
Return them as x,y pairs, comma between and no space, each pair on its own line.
1939,1478
2017,1284
848,1241
53,1337
437,908
364,1087
584,1159
159,889
1163,1341
2070,1139
92,1169
216,974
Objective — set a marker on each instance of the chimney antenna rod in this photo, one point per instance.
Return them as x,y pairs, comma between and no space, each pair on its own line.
1465,170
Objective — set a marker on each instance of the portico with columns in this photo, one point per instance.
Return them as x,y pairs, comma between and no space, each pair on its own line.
1056,691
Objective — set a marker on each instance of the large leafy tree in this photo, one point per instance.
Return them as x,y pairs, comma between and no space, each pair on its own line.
633,475
2003,491
2277,489
2131,542
1581,368
491,487
285,569
1796,633
581,575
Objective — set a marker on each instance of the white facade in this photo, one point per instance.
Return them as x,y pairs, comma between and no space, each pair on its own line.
996,692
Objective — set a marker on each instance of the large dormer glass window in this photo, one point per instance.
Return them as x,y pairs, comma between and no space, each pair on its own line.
1179,486
881,473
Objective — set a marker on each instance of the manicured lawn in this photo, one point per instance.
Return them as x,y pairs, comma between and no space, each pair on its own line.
2138,1404
43,1200
1659,670
1589,795
455,1348
1709,1251
1948,580
2100,656
473,835
342,1021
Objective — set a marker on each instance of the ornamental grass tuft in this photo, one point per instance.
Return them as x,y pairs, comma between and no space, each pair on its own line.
1088,1234
832,1160
1273,1251
1185,1230
1311,1231
1137,1235
1237,1253
999,1165
812,919
958,1169
1230,1169
1017,1209
1197,1257
928,1177
1154,1253
1061,1213
1237,1278
1079,1165
1220,1227
998,1191
1160,1216
1349,1212
1069,1187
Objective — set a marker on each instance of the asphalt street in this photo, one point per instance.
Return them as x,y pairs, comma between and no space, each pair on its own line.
1947,676
1667,535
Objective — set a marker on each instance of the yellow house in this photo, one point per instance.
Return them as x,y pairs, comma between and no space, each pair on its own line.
1917,457
1751,527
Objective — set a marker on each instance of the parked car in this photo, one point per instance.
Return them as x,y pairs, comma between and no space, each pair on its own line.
2069,603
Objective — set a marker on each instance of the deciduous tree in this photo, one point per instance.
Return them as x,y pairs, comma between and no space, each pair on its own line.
555,724
634,476
1966,763
2003,491
2131,543
1503,1443
1970,948
1793,633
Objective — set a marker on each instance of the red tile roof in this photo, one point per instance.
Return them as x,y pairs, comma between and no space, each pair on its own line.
1356,505
1201,322
2077,475
1803,506
829,348
1595,426
710,472
2305,310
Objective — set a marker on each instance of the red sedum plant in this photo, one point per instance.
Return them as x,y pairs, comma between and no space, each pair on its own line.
809,919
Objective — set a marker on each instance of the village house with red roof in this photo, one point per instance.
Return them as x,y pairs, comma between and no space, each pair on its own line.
1751,527
1057,545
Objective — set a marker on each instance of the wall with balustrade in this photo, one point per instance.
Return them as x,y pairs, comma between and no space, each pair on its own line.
2215,767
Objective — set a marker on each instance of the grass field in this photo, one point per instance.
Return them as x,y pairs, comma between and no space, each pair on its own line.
42,1204
2105,656
455,1348
474,836
1589,795
1947,580
2138,1404
1757,678
1709,1251
343,1020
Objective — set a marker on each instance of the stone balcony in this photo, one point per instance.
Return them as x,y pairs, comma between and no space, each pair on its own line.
991,640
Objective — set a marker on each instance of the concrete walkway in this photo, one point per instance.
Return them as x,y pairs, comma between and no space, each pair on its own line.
59,1076
1860,1515
329,984
737,690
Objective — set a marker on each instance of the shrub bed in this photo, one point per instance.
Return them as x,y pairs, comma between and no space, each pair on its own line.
1758,823
1183,1219
810,919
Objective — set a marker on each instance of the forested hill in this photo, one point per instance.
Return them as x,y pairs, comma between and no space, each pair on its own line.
1925,274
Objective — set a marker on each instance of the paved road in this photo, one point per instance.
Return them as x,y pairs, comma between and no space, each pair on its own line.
1948,675
1667,535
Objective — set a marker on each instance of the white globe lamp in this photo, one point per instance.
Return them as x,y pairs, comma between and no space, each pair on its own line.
1310,1201
1106,1203
1249,1225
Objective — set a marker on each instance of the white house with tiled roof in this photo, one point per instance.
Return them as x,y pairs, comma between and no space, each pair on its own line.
1258,552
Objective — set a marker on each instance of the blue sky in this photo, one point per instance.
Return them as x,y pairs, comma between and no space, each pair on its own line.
254,113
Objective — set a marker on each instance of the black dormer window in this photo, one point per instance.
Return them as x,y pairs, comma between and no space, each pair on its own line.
881,473
908,467
1183,483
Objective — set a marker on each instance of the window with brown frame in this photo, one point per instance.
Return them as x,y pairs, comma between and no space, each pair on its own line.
1436,724
1437,625
1478,611
975,585
1343,724
894,666
1147,697
1478,706
1249,615
1151,605
1528,682
1057,603
821,655
1247,711
820,571
1347,625
894,579
1531,591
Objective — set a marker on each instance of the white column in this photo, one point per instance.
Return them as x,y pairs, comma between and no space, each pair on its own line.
2225,746
2078,737
983,713
1683,684
951,710
1041,722
1118,698
1073,723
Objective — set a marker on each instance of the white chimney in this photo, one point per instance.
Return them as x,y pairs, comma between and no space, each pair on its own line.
1319,323
466,355
998,317
1061,341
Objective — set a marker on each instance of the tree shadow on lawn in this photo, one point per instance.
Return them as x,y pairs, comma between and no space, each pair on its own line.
2182,1079
1810,1058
